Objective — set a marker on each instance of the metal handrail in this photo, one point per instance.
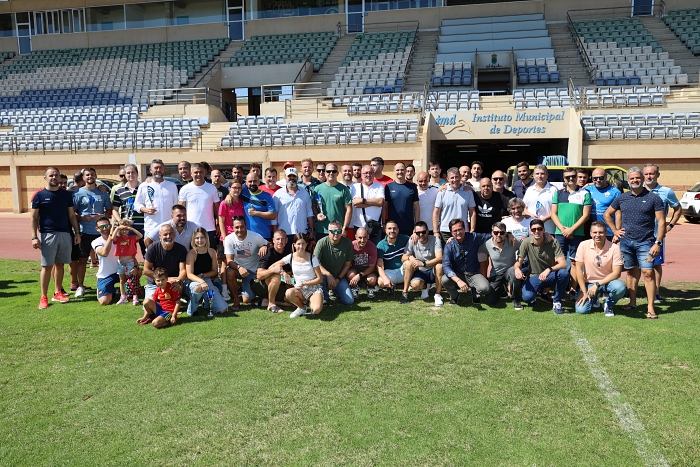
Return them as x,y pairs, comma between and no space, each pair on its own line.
305,87
208,72
184,96
384,26
304,67
581,46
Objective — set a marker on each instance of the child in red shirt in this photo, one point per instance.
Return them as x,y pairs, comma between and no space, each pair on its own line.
126,252
163,307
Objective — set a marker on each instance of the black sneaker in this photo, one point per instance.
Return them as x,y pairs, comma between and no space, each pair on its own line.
504,294
453,301
547,298
517,305
476,299
404,298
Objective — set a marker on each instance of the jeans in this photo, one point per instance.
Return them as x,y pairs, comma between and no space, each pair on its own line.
615,290
342,291
557,279
475,281
217,302
499,281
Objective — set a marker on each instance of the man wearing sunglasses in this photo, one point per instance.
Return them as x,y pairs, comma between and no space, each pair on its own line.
335,204
599,266
547,266
335,256
602,196
498,178
571,208
122,181
321,171
422,263
502,255
490,207
389,254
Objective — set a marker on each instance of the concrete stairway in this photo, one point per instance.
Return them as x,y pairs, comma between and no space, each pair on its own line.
223,57
688,62
569,61
330,66
211,138
420,69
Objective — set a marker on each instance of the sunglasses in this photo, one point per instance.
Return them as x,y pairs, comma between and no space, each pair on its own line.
157,161
421,232
321,169
569,177
335,232
122,176
498,232
238,218
331,171
536,229
597,260
497,179
104,226
598,179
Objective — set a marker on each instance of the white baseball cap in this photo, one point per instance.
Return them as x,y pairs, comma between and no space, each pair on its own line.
290,171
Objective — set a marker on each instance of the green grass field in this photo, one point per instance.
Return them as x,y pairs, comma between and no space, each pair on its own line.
367,385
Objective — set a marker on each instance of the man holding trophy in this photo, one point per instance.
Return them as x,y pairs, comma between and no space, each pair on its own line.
155,198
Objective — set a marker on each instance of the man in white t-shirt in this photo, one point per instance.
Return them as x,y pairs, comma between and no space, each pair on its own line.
155,198
105,248
517,224
452,203
201,199
243,250
538,198
367,202
426,198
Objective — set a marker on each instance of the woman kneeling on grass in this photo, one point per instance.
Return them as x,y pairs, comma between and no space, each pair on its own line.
201,266
307,277
163,307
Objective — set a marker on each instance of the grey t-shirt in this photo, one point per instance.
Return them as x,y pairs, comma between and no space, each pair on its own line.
502,259
424,252
454,205
184,238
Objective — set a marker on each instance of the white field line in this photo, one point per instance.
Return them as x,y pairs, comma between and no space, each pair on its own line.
628,419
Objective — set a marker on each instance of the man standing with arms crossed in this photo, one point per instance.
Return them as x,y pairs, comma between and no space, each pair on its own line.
52,216
639,209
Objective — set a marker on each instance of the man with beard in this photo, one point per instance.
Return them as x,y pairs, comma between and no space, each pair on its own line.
259,207
389,265
401,200
364,265
273,281
89,203
502,255
422,263
335,257
243,249
477,168
490,207
368,202
294,208
182,228
201,200
642,214
452,203
155,198
410,172
524,180
184,171
52,218
166,254
435,172
517,224
346,172
357,172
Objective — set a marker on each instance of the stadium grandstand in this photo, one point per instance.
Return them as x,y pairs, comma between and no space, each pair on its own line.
101,83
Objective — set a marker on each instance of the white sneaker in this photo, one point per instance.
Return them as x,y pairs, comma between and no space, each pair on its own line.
608,309
557,308
123,299
298,312
424,294
224,294
438,300
80,292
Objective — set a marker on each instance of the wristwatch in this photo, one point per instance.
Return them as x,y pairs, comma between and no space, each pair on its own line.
671,226
658,243
597,285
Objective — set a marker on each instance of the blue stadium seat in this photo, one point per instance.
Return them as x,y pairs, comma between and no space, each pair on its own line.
554,77
544,77
623,81
600,81
611,81
437,81
635,81
522,78
467,80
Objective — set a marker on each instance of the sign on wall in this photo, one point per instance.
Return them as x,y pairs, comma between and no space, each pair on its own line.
511,124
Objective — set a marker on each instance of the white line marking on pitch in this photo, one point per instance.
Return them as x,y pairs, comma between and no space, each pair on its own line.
628,419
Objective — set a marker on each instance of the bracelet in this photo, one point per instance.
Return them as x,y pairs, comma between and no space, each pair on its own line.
35,238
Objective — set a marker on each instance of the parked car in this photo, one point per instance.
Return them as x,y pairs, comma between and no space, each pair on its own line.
108,183
690,203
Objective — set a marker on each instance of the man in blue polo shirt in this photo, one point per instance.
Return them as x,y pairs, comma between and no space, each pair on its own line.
667,195
259,207
602,195
639,209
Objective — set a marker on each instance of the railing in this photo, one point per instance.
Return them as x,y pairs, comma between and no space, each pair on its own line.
210,72
381,27
617,12
338,29
304,68
581,46
184,96
315,107
266,139
308,90
575,95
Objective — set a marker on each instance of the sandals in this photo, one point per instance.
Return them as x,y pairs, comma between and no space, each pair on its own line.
652,316
274,309
629,307
145,321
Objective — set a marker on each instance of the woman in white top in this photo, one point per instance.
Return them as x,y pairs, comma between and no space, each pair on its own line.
307,278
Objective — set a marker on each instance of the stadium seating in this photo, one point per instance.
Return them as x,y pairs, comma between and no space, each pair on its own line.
271,131
641,126
285,48
92,128
452,100
453,74
685,24
623,96
537,70
541,98
375,63
626,32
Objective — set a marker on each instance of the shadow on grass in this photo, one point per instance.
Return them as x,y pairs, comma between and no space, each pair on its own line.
6,288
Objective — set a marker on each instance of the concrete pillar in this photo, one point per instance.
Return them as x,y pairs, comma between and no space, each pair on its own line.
16,186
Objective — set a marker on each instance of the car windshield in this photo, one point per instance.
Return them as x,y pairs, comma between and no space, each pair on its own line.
695,189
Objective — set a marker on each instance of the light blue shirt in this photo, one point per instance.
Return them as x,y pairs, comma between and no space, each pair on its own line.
668,196
87,202
293,211
601,201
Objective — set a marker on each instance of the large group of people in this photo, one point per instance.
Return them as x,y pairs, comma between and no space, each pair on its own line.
298,242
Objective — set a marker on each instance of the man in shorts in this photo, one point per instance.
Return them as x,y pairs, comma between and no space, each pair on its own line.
389,253
167,254
105,248
243,249
365,264
273,282
422,263
52,218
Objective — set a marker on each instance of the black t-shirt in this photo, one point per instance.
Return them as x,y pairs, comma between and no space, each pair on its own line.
489,211
271,257
168,259
508,195
222,191
53,210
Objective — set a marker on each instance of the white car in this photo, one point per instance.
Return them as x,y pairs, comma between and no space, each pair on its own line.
690,202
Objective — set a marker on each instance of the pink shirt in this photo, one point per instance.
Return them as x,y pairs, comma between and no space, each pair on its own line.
597,266
228,213
366,257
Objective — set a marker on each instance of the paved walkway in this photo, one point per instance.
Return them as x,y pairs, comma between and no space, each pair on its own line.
681,247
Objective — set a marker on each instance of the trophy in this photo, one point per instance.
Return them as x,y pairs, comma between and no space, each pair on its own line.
319,203
129,209
92,205
210,302
151,192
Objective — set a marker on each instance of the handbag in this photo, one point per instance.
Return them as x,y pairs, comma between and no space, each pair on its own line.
373,227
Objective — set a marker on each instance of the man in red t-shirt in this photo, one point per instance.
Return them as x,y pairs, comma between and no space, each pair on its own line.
161,309
378,165
365,264
270,185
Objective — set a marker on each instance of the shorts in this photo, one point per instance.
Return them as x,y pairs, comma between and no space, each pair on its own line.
308,290
636,253
125,267
569,245
395,275
75,251
55,248
659,260
105,285
161,313
427,277
86,244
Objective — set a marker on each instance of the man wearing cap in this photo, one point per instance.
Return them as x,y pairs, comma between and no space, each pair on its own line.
286,165
294,210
